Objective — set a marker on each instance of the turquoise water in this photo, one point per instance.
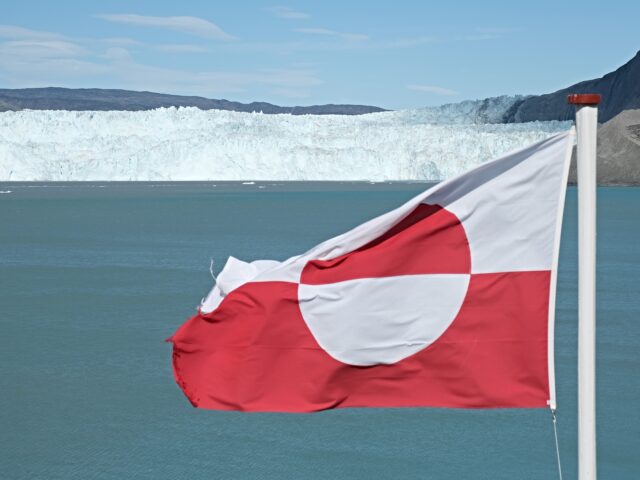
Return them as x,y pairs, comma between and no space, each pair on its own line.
94,277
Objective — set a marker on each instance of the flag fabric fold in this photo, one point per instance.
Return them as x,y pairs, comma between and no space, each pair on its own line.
446,301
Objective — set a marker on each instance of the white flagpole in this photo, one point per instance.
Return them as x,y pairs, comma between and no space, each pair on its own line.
586,126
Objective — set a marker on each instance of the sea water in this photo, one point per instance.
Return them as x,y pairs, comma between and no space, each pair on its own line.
94,277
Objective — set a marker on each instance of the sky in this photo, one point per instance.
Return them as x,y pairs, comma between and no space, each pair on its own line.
393,54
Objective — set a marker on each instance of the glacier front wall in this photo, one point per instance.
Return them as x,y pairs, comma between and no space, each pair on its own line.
192,144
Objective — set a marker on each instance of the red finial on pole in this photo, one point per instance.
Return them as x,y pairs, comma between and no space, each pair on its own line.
584,99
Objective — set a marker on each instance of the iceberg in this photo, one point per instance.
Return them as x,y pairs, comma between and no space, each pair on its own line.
175,144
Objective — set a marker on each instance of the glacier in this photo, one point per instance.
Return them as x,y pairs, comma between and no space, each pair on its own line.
174,144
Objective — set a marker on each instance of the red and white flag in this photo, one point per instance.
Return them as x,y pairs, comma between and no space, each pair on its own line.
446,301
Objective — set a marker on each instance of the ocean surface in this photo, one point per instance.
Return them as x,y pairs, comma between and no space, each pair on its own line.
94,277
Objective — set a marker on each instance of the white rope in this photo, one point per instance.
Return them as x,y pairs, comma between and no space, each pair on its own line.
215,280
555,434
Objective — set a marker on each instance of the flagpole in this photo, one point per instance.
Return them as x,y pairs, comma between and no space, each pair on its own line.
586,126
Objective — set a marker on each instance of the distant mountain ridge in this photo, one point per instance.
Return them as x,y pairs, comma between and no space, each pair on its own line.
56,98
620,91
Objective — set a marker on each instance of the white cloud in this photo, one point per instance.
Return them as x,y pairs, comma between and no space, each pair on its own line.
288,13
39,49
191,25
332,33
181,48
30,58
139,76
19,33
45,64
432,89
42,71
118,54
120,41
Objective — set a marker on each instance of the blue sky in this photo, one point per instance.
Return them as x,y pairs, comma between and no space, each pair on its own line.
395,54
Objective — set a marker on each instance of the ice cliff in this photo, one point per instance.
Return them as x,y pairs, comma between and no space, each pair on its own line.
192,144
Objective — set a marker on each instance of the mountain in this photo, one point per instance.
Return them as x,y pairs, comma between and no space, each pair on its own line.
399,140
618,151
620,91
54,98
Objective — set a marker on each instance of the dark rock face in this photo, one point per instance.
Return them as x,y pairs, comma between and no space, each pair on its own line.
53,98
620,91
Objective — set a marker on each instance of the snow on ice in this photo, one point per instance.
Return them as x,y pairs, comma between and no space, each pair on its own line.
192,144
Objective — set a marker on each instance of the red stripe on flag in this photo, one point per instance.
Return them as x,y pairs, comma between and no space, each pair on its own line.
255,353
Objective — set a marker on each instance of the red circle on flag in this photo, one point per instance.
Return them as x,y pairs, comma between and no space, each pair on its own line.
392,297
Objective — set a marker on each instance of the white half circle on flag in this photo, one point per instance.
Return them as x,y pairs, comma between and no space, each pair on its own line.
374,321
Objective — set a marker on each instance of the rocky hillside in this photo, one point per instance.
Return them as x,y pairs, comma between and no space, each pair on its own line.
618,150
620,90
53,98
